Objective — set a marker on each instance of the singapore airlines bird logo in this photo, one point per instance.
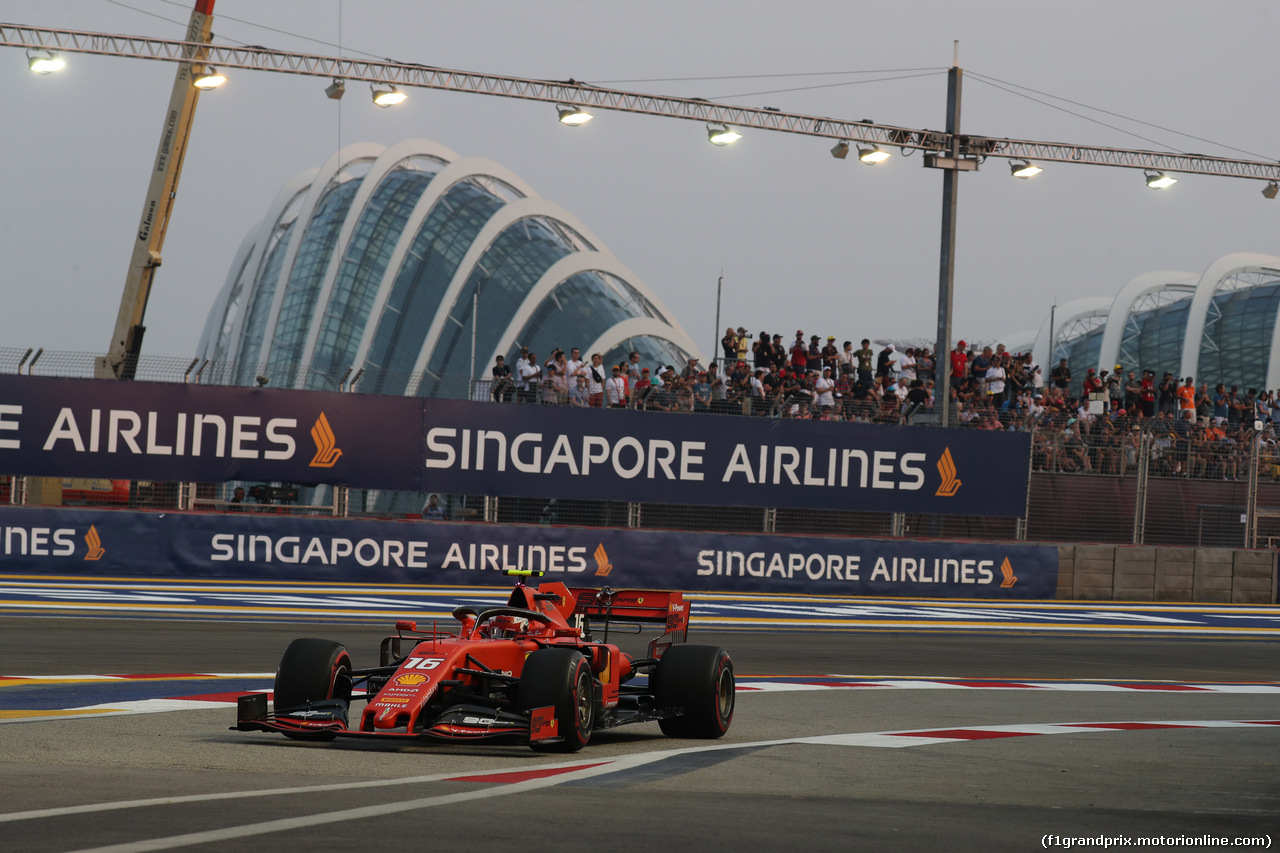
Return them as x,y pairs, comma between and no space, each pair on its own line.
603,566
94,541
327,450
950,482
1007,570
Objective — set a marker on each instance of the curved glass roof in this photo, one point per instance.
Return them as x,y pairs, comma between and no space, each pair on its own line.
433,258
652,350
1236,345
1153,339
305,278
315,309
361,271
503,276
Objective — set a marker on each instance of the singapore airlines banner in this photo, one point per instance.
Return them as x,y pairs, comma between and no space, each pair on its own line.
130,430
170,432
274,548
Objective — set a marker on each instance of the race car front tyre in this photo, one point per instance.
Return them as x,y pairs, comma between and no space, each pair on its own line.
561,679
312,671
697,683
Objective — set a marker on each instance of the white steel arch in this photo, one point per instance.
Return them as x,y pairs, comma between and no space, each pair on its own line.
450,176
1135,289
320,184
502,219
1210,281
566,268
638,327
1069,312
384,165
280,206
214,323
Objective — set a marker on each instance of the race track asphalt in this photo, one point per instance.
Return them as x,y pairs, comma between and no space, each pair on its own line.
1164,736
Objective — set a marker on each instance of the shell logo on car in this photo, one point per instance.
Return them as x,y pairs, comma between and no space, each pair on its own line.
411,680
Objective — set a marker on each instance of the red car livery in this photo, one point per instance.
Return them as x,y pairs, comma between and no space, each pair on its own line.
530,671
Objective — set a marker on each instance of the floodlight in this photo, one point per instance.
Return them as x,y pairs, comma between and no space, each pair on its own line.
574,116
1024,169
44,61
1271,190
873,155
1159,180
208,79
336,90
840,151
388,97
722,134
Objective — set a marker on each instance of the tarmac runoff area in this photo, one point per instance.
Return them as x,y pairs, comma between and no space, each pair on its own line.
879,739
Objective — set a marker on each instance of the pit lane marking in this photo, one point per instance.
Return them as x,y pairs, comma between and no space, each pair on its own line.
518,780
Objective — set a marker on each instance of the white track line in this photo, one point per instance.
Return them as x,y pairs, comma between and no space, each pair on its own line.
572,771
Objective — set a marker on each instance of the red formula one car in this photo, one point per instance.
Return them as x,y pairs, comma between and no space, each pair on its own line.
532,671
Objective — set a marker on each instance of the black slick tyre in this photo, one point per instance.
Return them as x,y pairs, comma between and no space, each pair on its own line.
312,670
561,679
697,684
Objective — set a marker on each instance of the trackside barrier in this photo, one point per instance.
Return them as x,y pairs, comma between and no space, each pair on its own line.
1128,573
192,545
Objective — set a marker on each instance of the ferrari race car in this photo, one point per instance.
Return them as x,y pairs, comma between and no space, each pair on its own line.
532,671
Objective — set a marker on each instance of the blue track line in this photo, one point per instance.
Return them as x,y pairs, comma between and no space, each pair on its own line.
297,601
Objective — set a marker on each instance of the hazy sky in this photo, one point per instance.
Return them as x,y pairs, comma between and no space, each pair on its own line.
804,241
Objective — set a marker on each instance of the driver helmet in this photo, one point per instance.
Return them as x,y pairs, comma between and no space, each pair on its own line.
505,627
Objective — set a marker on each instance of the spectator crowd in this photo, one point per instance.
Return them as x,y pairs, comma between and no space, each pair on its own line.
1094,423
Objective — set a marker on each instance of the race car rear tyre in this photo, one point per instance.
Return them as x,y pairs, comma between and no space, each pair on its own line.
311,671
560,678
697,682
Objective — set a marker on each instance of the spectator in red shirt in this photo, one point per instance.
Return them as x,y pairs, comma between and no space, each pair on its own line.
959,364
1148,392
799,353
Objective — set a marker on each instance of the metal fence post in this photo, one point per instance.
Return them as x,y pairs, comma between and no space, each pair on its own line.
341,501
1020,526
1251,500
899,528
491,509
1140,492
633,514
770,520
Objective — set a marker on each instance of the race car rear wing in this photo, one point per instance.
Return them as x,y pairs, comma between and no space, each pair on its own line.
646,606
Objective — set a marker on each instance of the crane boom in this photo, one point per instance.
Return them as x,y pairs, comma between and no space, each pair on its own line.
121,359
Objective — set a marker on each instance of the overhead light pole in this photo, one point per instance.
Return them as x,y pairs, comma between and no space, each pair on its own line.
952,164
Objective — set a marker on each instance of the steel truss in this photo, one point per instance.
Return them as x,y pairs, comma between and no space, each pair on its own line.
972,149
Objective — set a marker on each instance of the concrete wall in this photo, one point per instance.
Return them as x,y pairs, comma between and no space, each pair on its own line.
1137,573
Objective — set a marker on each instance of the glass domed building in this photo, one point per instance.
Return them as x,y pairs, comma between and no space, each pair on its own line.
1222,325
412,264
